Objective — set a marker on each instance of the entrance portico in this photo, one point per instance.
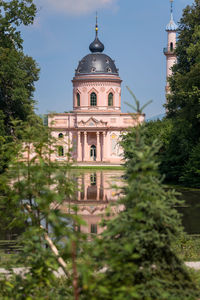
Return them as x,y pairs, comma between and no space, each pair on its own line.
91,145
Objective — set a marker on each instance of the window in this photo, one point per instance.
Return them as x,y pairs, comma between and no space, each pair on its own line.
78,99
93,179
60,151
110,99
171,47
60,136
93,152
93,99
93,228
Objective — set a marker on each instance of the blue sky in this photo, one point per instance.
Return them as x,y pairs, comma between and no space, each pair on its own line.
133,33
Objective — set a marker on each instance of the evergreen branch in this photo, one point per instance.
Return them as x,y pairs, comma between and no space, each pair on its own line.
53,248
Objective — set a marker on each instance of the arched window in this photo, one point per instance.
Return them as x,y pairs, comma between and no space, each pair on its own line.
60,151
93,152
78,99
171,47
60,136
110,99
93,99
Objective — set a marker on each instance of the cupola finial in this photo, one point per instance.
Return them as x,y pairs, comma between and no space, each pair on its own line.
171,10
96,26
96,45
172,25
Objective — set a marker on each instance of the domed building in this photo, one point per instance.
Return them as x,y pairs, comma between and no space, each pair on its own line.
92,131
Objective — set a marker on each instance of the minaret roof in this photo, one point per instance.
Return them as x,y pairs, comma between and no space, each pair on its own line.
172,25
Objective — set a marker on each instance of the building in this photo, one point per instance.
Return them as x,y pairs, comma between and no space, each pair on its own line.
169,51
93,129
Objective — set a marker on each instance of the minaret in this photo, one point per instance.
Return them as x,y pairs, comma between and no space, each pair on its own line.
171,29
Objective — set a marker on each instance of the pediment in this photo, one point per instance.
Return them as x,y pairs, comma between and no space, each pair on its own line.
92,122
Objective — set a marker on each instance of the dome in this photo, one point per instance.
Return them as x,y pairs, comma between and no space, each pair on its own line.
171,26
96,46
96,63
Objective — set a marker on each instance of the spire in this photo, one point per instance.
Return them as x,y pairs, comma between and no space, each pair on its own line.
96,45
172,25
171,8
96,26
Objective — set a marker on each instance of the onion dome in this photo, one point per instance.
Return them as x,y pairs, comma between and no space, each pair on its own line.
96,62
96,46
172,25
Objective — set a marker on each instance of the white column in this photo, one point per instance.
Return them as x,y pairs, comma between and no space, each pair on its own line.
79,150
70,144
98,146
85,147
104,146
98,186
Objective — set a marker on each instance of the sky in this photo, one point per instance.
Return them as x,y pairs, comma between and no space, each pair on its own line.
133,33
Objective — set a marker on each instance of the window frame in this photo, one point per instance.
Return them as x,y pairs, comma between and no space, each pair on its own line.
110,103
93,229
78,99
93,101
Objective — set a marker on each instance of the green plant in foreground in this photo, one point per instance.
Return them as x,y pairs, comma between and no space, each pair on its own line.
34,197
134,256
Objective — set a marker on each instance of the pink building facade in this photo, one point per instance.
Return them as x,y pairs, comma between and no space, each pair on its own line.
92,131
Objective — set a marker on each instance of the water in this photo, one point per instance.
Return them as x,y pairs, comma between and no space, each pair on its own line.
190,211
96,192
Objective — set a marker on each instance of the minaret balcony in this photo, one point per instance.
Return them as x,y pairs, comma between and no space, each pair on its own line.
167,51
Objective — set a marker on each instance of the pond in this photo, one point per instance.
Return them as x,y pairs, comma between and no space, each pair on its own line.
97,191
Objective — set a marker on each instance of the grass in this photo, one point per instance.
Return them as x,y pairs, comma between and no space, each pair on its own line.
188,248
181,187
9,260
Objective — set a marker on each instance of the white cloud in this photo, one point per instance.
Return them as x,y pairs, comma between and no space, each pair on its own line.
77,7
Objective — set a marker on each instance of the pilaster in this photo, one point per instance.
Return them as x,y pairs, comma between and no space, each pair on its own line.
79,150
98,147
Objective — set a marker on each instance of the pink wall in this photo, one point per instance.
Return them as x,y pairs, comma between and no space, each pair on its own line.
101,86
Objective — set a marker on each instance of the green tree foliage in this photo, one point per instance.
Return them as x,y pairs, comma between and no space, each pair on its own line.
191,174
36,196
18,72
14,13
134,257
183,105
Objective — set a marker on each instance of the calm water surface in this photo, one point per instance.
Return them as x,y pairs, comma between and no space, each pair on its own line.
96,192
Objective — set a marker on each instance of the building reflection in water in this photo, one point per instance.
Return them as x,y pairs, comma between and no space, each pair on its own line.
95,193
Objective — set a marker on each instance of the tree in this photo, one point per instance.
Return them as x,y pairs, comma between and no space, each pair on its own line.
134,257
18,72
34,198
13,14
17,76
191,174
183,105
